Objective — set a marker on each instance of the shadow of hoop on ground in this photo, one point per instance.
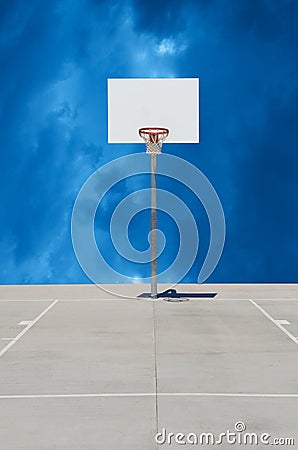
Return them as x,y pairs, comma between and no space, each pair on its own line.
172,293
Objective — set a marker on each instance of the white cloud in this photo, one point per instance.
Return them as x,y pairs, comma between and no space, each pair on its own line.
169,47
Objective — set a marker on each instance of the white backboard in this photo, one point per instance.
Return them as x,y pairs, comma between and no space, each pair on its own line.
172,103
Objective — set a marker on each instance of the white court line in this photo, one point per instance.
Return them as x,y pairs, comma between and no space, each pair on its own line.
214,299
27,328
276,300
282,322
149,394
25,322
197,299
276,323
67,300
9,300
205,299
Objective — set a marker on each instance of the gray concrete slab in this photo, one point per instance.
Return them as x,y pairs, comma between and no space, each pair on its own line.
77,424
84,347
274,416
222,347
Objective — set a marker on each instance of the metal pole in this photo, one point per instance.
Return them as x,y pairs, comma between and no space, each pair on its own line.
153,225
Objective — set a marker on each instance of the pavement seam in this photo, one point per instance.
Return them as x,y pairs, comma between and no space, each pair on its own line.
155,369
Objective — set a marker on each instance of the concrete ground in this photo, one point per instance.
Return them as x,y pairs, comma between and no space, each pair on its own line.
88,367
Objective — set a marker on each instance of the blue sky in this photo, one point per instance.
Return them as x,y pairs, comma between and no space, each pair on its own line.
55,59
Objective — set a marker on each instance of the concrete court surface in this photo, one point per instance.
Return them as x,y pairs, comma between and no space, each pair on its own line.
87,367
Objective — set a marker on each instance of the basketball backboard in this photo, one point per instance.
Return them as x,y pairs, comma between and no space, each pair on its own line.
146,102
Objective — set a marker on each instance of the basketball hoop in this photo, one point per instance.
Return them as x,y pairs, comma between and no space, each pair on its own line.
154,138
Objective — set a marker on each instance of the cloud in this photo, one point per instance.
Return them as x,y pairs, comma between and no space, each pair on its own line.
169,47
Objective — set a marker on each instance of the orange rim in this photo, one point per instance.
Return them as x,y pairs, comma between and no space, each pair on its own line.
153,134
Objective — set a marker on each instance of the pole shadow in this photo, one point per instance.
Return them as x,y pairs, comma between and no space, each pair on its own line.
172,293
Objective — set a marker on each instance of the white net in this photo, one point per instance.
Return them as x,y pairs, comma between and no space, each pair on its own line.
152,147
154,138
